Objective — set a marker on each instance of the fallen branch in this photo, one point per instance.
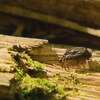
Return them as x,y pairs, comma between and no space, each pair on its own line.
48,18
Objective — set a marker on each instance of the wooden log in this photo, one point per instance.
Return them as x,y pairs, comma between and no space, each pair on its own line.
20,45
23,41
38,49
7,87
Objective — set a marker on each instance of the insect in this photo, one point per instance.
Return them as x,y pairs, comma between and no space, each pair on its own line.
76,56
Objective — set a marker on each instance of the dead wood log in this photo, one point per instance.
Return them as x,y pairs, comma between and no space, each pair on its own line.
38,49
7,87
7,64
9,50
23,41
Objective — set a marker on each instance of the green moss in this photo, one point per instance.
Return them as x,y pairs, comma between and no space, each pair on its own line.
72,79
10,48
43,89
3,68
74,92
19,75
85,72
32,88
37,66
63,96
36,88
56,76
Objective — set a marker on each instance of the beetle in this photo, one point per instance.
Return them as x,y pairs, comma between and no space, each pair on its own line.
76,56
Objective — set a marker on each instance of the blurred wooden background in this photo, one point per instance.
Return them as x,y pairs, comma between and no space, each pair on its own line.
74,22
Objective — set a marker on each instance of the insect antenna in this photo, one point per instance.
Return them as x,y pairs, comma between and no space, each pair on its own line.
55,52
57,57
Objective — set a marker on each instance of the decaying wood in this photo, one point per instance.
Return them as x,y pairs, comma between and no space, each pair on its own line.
39,49
8,87
21,44
7,90
22,41
8,63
